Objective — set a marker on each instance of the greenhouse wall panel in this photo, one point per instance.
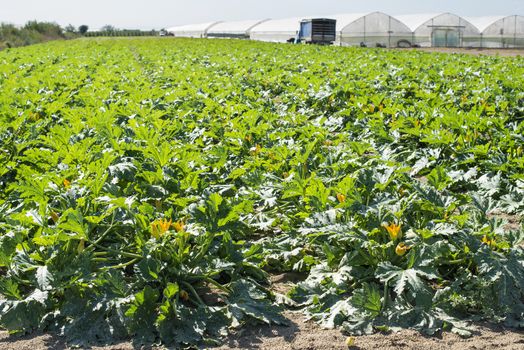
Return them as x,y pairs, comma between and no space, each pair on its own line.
507,32
192,30
280,30
374,29
441,30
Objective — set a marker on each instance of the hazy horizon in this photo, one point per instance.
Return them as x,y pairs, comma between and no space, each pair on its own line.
156,14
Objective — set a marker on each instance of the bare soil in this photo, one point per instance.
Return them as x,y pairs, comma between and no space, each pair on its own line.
513,221
302,334
306,335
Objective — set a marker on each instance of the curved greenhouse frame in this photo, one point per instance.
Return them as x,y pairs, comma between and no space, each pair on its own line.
441,30
236,29
503,32
277,30
371,29
192,30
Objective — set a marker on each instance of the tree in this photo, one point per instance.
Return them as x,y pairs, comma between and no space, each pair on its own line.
45,28
70,29
83,29
108,28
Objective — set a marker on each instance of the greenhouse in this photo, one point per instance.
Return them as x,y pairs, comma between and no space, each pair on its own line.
441,30
192,30
277,30
500,32
236,29
377,29
374,29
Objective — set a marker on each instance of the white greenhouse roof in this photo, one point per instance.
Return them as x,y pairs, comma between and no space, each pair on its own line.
416,20
291,25
483,22
240,27
345,19
199,27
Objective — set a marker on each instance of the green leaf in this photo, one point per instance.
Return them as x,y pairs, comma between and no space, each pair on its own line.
408,282
368,299
9,288
74,223
438,178
247,303
19,316
143,314
44,278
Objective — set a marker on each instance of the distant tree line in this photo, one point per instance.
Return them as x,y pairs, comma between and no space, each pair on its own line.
109,30
34,32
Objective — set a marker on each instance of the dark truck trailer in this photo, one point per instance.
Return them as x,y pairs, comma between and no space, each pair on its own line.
318,31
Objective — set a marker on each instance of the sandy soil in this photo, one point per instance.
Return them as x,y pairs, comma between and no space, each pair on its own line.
514,222
305,335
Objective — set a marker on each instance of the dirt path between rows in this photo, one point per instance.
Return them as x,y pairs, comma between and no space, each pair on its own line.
303,335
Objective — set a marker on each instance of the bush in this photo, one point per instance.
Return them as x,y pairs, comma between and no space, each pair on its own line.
32,32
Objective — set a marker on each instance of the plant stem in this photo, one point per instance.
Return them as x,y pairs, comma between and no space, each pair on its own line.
120,266
385,301
103,235
129,255
194,292
216,284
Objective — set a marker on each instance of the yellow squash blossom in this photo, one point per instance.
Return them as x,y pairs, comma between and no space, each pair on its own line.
394,231
489,242
159,227
401,249
179,226
350,341
81,246
184,295
55,217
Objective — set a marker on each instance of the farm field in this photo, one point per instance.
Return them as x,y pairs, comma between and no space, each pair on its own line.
151,189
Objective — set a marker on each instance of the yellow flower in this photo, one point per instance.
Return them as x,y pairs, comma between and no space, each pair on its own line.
81,246
67,183
401,249
255,150
341,198
159,227
489,242
350,341
394,231
184,295
55,217
179,226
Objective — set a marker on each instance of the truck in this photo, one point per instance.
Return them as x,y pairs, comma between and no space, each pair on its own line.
321,31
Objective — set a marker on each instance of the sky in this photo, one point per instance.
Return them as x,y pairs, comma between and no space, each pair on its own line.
157,14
